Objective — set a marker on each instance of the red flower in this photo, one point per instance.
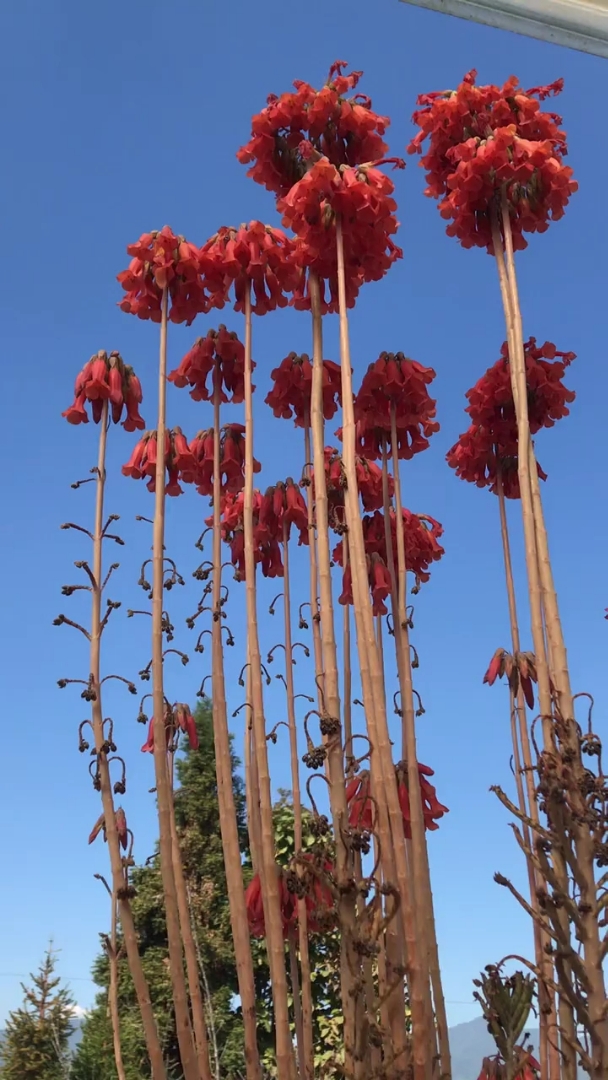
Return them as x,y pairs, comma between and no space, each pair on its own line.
361,813
345,129
121,828
362,196
394,381
179,461
255,256
184,720
484,140
267,551
106,378
519,669
219,351
163,260
148,746
491,403
291,393
476,455
255,906
421,535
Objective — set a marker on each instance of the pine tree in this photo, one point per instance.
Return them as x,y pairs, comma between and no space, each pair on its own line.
35,1045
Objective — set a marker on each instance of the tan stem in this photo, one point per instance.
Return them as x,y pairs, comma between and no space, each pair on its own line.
113,993
142,991
223,768
314,575
349,962
269,874
348,674
163,792
305,1036
375,711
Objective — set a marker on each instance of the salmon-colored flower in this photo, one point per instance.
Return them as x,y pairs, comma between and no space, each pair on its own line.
345,129
292,389
395,383
107,378
361,807
479,457
254,257
484,141
121,828
255,906
179,461
184,721
421,535
219,354
162,260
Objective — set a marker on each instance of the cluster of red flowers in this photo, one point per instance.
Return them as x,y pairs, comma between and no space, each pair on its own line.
519,669
345,130
178,718
491,439
317,897
361,811
395,382
107,378
179,461
254,256
421,536
291,393
219,351
281,505
362,198
121,828
369,484
379,578
486,140
162,260
493,1068
232,459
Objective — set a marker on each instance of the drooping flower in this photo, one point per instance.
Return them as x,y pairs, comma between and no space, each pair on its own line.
161,260
267,551
421,536
362,197
477,456
292,389
282,504
121,828
179,461
494,1068
379,579
486,140
184,721
107,378
519,669
361,807
254,257
394,382
232,459
345,129
255,906
219,351
369,485
491,404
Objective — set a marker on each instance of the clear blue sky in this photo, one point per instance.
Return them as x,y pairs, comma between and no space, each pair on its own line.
122,117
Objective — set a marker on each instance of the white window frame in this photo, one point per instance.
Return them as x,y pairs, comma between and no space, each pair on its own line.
576,24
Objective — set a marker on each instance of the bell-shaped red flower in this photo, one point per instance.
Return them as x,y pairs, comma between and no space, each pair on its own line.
184,721
477,455
345,129
361,809
257,257
255,906
219,354
394,382
292,389
486,140
179,461
163,260
267,552
107,378
421,535
121,828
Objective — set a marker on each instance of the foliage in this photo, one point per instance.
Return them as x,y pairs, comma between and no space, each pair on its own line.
35,1045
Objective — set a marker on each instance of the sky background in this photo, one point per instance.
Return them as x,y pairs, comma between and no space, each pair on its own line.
119,118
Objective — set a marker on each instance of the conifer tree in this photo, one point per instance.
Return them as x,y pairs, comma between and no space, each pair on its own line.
35,1045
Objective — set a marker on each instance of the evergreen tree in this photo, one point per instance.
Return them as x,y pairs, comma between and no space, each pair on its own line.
35,1045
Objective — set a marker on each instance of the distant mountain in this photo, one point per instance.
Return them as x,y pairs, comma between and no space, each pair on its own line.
470,1043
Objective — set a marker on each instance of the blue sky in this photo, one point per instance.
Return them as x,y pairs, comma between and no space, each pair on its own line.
124,117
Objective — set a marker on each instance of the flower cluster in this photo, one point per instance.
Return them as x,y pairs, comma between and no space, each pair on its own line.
232,459
478,458
519,669
177,718
311,882
362,198
369,484
107,378
159,261
179,461
361,807
292,389
220,354
379,578
491,404
345,129
274,513
394,383
421,536
254,256
484,141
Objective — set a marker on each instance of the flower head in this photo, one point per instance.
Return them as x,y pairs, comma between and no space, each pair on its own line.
484,141
481,458
179,461
267,551
232,459
361,808
219,354
255,906
254,257
161,260
421,535
292,389
107,378
343,128
395,384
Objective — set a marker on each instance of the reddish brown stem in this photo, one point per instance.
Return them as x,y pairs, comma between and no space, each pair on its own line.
142,991
314,575
112,953
163,792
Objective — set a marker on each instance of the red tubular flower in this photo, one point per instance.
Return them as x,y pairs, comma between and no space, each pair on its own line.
345,129
394,381
266,547
163,260
184,720
483,140
362,196
361,811
255,906
106,378
477,454
291,393
220,350
121,828
421,534
180,463
254,256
